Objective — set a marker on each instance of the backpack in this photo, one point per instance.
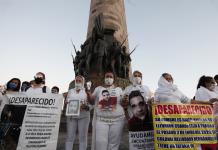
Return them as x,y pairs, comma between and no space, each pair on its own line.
44,89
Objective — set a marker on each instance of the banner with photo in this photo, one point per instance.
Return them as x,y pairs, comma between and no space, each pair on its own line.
183,126
31,122
141,140
140,124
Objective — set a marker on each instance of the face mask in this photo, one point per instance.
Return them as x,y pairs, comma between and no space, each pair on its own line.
212,87
78,85
137,80
12,85
38,80
171,82
108,81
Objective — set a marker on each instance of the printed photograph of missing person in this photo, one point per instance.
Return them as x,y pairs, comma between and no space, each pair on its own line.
10,126
142,118
107,102
73,108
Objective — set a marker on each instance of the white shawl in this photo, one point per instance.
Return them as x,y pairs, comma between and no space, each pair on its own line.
203,94
169,93
165,87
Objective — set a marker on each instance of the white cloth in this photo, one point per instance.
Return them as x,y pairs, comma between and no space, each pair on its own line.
83,125
108,136
81,96
38,90
145,91
203,94
169,93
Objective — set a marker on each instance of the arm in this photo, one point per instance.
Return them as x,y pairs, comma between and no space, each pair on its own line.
125,103
200,102
126,114
200,96
66,97
92,96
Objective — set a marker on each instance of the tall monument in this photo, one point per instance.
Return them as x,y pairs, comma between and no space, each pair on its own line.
106,47
113,15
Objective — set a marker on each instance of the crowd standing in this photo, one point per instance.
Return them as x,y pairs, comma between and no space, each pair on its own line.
112,105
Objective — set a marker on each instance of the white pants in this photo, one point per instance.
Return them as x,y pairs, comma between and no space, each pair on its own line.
108,135
72,124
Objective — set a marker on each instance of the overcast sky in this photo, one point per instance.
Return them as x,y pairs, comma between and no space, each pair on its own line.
175,36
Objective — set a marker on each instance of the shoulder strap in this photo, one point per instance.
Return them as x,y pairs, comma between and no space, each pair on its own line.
44,89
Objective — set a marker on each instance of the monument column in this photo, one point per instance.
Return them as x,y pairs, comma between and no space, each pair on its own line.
113,12
106,46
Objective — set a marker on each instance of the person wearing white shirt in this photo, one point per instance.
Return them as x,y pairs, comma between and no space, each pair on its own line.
205,94
136,85
108,122
80,122
38,85
10,114
167,92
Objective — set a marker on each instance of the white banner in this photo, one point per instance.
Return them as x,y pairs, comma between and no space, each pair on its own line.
40,122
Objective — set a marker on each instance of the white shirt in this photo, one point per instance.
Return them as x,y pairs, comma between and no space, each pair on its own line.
115,92
145,91
81,96
37,90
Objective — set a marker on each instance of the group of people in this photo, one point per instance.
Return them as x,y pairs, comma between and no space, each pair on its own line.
112,106
36,85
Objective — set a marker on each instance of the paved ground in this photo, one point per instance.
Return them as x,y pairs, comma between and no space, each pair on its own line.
62,136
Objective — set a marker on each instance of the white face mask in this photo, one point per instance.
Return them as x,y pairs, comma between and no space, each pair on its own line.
137,80
108,81
78,85
171,82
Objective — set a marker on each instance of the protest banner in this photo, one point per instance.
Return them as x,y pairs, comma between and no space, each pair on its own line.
215,113
36,117
141,140
183,126
140,124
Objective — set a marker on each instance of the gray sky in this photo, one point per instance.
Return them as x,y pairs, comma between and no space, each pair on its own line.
175,36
